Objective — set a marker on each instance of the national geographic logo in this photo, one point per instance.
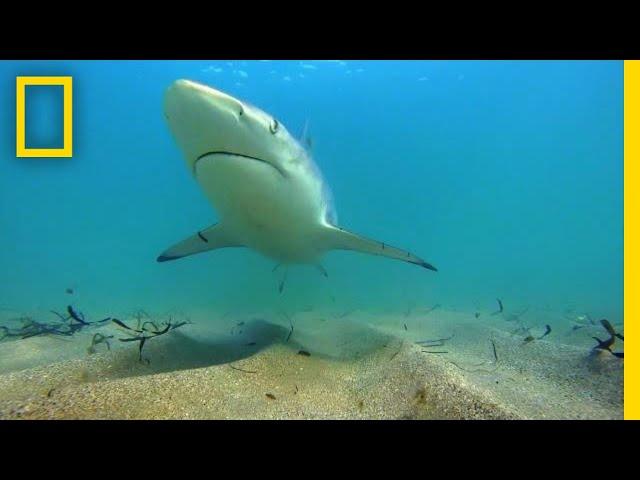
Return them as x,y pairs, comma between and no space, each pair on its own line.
67,147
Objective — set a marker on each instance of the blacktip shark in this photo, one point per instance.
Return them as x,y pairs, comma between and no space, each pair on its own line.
268,192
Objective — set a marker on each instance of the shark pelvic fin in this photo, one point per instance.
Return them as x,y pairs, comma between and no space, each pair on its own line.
337,238
211,238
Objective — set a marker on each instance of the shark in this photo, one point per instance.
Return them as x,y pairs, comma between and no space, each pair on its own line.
269,194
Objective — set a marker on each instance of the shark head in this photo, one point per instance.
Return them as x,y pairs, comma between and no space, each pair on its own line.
206,121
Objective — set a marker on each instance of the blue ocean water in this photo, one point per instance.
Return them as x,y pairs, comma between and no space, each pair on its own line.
506,175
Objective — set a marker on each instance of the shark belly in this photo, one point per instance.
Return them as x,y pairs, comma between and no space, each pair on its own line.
261,208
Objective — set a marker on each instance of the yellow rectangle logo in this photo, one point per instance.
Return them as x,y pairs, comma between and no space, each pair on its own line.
631,236
67,147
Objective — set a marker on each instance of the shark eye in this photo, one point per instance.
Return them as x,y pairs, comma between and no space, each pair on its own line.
273,126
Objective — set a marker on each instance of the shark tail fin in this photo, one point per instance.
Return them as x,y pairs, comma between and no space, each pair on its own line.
337,238
211,238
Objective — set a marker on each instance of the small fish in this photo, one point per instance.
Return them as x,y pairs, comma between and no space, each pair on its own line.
283,281
408,310
477,314
529,339
290,331
546,332
69,291
405,326
610,330
270,396
304,353
604,344
500,307
123,325
344,314
250,344
495,352
435,307
437,341
77,316
607,344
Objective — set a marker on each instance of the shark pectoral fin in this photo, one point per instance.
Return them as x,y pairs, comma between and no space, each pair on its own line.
338,238
212,238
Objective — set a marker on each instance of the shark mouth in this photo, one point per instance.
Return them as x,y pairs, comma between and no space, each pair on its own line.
237,155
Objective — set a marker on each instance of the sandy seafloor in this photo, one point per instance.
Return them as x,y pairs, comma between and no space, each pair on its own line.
362,365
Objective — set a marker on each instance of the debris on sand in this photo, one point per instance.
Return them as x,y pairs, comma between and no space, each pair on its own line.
97,339
242,369
67,326
146,333
480,366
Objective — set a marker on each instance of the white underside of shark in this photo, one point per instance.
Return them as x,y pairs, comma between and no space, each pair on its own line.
268,192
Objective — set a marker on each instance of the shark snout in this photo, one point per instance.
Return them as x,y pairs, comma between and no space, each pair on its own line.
186,95
203,119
